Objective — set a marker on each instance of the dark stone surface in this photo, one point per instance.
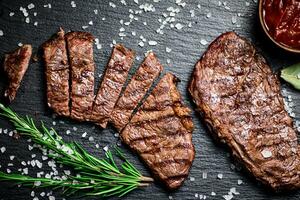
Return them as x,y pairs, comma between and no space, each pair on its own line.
211,157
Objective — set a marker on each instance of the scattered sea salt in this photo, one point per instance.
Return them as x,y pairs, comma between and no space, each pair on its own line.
91,23
179,26
152,43
91,139
234,19
3,149
208,15
84,134
192,13
105,148
192,179
1,33
96,12
30,6
73,4
68,132
51,198
168,50
213,194
220,176
228,196
141,43
111,4
203,42
11,14
204,175
266,153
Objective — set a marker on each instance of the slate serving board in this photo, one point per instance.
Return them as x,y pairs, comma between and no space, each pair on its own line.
210,20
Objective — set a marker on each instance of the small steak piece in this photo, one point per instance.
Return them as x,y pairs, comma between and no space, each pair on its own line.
80,48
15,66
161,133
240,99
57,73
111,86
136,90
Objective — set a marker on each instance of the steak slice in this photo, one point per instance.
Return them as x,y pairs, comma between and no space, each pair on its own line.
111,86
15,66
80,48
57,73
240,99
135,90
161,133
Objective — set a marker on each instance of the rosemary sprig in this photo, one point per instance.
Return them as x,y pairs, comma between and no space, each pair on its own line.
95,177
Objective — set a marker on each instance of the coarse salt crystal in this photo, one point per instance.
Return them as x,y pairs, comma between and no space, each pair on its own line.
3,149
11,14
179,26
1,33
84,134
96,12
228,196
105,148
152,43
30,6
84,27
240,182
11,157
168,50
220,176
73,4
25,170
213,194
68,132
141,43
192,179
234,19
266,153
97,146
208,15
8,171
192,13
233,191
91,138
51,198
204,175
32,193
111,4
203,42
91,23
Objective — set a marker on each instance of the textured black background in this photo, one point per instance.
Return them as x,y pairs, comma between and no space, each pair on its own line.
186,50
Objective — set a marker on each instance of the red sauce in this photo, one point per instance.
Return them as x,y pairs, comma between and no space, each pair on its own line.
282,21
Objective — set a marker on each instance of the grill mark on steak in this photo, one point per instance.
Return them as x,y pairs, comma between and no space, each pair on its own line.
111,86
162,147
80,49
57,73
241,102
15,66
135,91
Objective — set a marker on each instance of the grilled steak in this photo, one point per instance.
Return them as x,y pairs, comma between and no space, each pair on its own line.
135,90
15,66
57,73
111,86
240,99
161,133
80,48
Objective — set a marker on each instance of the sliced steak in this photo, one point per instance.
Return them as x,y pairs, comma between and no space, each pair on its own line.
57,73
161,133
240,99
15,66
136,90
112,83
80,48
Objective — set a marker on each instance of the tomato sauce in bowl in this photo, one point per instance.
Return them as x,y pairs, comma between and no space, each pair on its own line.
281,20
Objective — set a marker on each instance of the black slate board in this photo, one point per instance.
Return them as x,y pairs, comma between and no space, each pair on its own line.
186,50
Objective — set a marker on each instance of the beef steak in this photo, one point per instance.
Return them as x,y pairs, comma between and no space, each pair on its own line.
240,100
161,133
80,48
57,73
136,89
112,83
15,66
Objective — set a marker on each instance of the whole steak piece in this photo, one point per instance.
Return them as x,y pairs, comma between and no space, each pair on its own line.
15,66
80,48
240,100
57,73
161,133
135,91
110,88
